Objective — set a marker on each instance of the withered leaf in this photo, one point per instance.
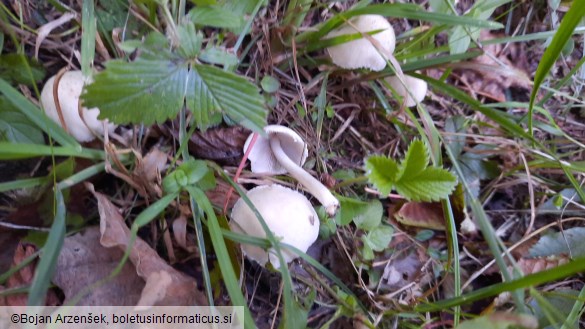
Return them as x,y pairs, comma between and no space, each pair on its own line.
182,290
84,261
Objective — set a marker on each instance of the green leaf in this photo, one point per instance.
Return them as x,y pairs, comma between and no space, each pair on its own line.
567,242
379,238
189,40
215,16
552,52
381,172
370,216
415,160
50,252
270,84
432,184
215,55
13,68
16,127
143,91
36,115
211,89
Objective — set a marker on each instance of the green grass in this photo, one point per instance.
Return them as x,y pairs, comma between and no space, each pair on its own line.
550,160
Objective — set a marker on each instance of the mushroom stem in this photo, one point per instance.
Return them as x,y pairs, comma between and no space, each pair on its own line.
312,185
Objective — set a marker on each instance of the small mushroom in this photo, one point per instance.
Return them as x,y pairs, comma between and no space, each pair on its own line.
415,87
287,213
361,53
285,151
69,90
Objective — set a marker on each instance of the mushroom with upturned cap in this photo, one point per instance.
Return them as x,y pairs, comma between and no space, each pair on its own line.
414,92
69,89
285,151
287,213
361,53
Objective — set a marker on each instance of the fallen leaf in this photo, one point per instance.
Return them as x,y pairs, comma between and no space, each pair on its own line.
501,320
535,265
23,278
422,214
83,261
223,145
148,168
182,290
180,234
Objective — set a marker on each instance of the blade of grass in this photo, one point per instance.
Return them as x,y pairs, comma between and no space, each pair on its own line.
552,52
292,314
225,265
50,253
11,151
498,117
397,10
550,275
202,250
37,116
88,35
18,266
22,184
576,312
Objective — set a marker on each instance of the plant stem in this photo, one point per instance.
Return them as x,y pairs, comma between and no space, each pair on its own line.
312,185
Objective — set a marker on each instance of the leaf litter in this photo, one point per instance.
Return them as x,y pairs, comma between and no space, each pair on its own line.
164,284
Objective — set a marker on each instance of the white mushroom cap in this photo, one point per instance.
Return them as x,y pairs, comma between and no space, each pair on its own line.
284,151
416,87
70,87
361,53
262,159
288,214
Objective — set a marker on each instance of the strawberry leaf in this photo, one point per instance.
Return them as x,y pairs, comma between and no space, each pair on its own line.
381,172
415,161
143,91
431,184
211,89
149,90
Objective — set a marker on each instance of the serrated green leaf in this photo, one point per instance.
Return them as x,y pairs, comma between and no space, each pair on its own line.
143,91
215,16
431,184
214,55
415,160
189,40
370,216
381,172
211,89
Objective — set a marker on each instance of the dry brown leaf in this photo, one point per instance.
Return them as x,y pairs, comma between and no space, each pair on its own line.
422,214
223,145
149,167
538,264
182,290
180,234
491,78
219,194
83,261
23,278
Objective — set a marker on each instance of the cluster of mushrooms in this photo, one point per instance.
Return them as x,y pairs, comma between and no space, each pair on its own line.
364,53
282,151
288,213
